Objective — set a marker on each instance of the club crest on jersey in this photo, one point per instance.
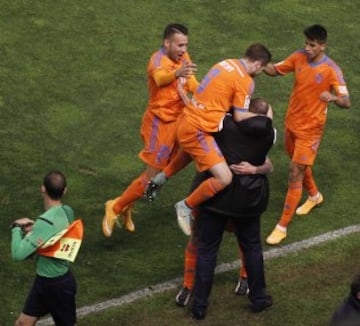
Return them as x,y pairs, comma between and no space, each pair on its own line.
319,78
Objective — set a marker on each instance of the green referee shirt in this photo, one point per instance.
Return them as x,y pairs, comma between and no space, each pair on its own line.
54,220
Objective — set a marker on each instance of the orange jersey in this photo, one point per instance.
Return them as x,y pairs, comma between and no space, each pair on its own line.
164,100
226,85
306,112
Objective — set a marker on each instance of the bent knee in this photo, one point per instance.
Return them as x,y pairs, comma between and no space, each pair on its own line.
296,172
25,320
226,179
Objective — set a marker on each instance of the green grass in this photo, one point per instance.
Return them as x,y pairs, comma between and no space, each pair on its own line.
307,300
72,94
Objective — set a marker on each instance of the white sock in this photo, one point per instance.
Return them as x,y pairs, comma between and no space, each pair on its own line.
281,228
316,197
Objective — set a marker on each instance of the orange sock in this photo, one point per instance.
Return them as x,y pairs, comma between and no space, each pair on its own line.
190,265
242,273
204,191
293,197
132,193
176,164
309,182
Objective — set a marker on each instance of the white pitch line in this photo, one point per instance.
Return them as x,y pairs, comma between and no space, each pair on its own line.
225,267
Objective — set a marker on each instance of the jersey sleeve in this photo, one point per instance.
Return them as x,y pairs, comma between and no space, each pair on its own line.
19,248
338,84
158,69
23,247
242,96
192,84
287,65
163,77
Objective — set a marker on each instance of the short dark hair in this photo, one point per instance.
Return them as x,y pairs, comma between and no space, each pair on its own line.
355,285
55,184
316,33
174,28
258,52
258,105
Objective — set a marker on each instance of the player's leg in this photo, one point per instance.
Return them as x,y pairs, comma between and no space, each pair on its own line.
25,320
294,192
242,286
177,161
180,161
279,232
292,200
123,204
303,153
315,198
207,157
159,143
221,178
184,294
210,187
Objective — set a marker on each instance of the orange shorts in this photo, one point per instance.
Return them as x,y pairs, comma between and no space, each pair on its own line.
201,146
159,141
302,150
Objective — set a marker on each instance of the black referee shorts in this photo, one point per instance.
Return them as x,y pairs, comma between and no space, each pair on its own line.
55,296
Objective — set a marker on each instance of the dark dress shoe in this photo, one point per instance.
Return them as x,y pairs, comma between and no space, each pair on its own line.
262,305
198,313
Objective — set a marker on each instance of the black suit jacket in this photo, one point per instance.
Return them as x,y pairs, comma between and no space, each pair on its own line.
248,140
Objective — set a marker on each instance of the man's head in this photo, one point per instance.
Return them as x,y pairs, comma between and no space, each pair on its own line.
316,33
315,42
54,185
257,57
259,106
175,41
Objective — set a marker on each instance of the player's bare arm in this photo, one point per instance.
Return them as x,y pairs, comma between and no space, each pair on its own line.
340,101
182,92
240,115
270,69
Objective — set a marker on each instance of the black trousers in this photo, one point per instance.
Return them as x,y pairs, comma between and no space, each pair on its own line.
209,229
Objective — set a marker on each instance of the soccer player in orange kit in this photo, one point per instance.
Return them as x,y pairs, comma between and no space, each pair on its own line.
167,66
318,82
228,84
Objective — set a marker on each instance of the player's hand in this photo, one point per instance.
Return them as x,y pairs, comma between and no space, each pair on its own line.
328,97
186,70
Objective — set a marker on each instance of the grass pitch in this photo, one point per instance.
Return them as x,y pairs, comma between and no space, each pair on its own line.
72,94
